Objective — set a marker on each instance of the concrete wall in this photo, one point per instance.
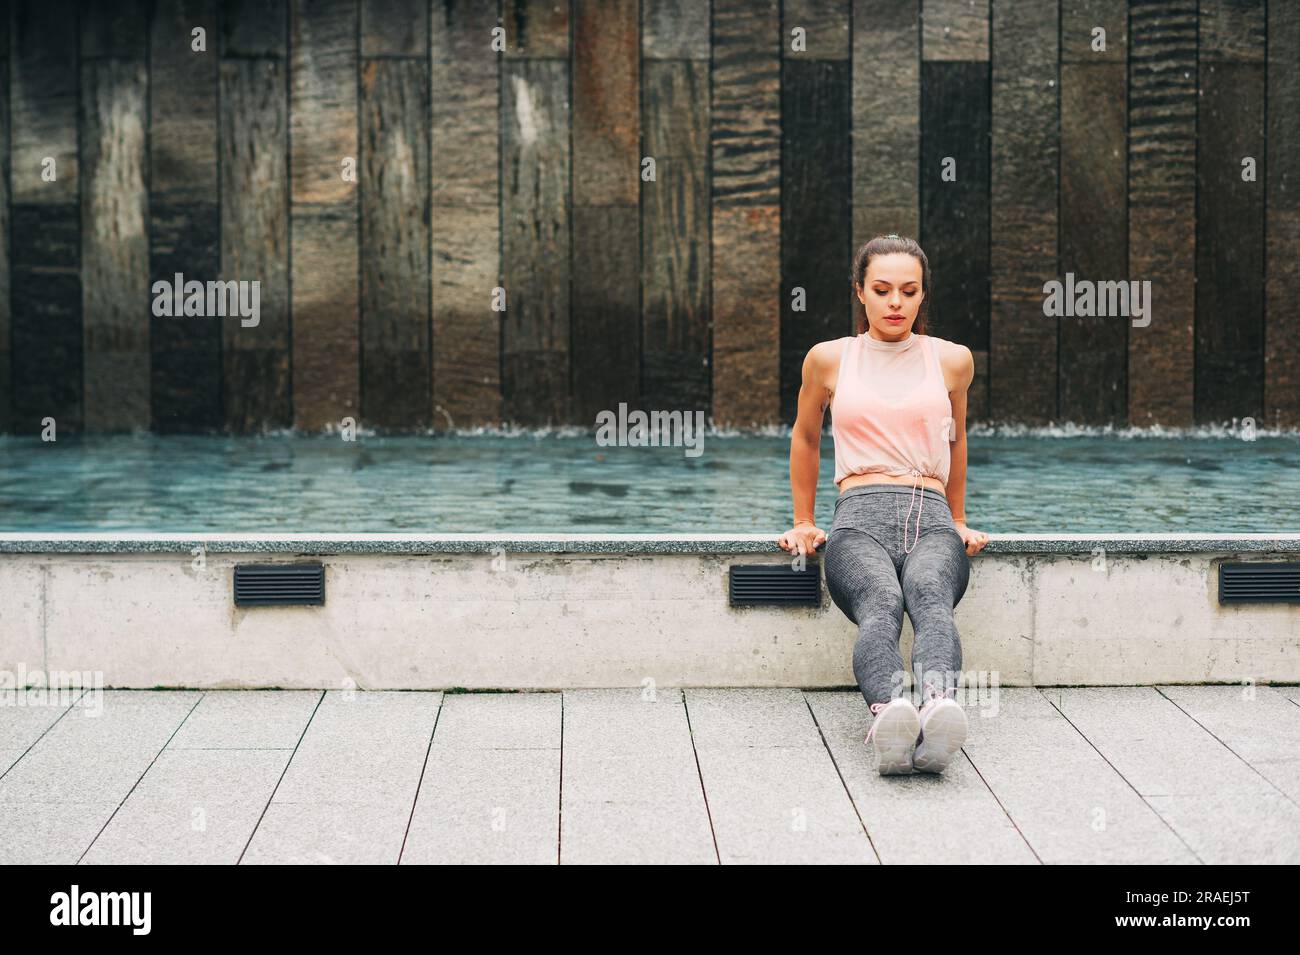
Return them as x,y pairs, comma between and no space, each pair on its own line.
547,620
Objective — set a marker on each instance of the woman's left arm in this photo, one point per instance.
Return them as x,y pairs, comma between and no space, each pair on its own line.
960,369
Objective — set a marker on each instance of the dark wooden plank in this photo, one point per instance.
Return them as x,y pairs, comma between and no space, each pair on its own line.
824,25
182,103
746,107
606,310
466,329
535,243
675,30
958,30
746,290
326,370
885,135
536,29
675,265
956,122
1229,242
43,100
114,29
606,188
1023,246
326,331
253,28
184,230
46,320
114,244
6,381
816,222
323,101
1094,230
745,146
395,28
1230,214
1282,220
185,352
45,323
255,241
1162,209
606,100
395,370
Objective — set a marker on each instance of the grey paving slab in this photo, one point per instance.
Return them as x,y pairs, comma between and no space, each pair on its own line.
491,790
1260,724
49,833
22,724
773,791
364,752
922,818
631,786
1162,752
328,834
192,806
1065,799
96,759
248,719
1292,693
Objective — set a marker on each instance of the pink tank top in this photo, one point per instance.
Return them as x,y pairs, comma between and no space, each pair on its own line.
891,411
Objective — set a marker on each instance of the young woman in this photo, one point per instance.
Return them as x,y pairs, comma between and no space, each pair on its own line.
898,419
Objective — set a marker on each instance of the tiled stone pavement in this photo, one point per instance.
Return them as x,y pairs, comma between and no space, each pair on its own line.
1207,774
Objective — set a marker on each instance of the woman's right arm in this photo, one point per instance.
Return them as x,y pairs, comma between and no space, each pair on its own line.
805,451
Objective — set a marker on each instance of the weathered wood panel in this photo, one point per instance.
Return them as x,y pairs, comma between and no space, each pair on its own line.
326,344
886,127
675,264
1282,221
536,29
536,240
395,369
46,320
254,28
255,241
955,123
958,30
1022,341
115,244
1162,209
465,78
114,29
816,222
6,381
184,219
1094,227
745,141
675,30
394,28
606,189
1230,213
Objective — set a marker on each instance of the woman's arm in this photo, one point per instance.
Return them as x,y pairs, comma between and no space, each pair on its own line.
963,373
806,435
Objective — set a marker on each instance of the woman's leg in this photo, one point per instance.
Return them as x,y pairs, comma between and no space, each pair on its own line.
934,578
862,581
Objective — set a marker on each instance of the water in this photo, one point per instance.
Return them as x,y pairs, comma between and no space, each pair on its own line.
1043,482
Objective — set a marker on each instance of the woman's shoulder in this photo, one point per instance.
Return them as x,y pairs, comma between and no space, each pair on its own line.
957,361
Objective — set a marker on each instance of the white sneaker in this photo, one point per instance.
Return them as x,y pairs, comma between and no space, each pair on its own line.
894,731
942,733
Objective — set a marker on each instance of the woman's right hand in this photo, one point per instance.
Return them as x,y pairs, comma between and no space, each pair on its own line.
802,539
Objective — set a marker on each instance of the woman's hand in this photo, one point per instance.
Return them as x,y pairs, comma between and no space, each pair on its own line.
974,540
802,539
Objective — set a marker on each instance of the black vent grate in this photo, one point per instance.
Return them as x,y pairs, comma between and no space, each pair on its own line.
1259,583
279,585
775,584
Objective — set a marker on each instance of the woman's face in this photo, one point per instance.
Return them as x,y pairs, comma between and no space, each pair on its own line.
892,287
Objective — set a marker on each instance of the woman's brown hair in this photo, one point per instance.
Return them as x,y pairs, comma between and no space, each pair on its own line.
887,245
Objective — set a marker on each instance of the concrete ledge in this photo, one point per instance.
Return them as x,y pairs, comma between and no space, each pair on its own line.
550,612
127,543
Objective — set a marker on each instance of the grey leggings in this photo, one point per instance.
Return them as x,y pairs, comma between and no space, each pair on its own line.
872,580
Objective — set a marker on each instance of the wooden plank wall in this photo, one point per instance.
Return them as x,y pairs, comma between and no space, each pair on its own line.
525,212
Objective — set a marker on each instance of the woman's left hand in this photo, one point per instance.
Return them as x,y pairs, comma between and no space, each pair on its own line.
974,540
